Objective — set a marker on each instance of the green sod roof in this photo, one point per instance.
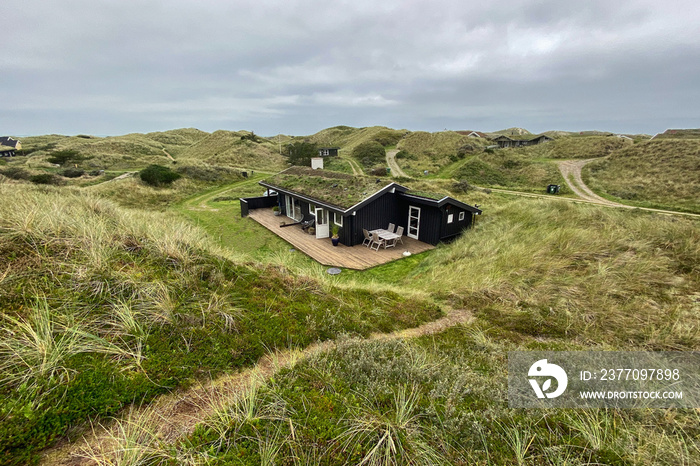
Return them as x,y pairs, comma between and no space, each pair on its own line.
336,189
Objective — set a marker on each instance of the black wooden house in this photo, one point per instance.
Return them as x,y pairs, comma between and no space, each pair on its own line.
355,203
328,151
521,140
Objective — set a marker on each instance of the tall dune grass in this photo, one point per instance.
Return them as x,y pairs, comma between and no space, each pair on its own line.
577,270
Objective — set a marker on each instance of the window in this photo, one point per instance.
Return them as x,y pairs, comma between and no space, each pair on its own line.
338,219
450,218
461,216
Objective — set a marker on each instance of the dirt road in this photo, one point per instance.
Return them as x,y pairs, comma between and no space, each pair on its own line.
391,161
571,171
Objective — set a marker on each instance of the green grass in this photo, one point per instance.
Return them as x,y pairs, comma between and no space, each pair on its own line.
347,138
537,275
422,151
226,148
574,147
218,212
135,151
104,306
438,400
679,134
509,169
337,164
659,173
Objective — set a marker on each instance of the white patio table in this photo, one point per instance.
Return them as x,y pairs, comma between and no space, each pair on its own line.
388,237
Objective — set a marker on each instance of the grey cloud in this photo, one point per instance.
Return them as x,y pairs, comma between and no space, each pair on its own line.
298,66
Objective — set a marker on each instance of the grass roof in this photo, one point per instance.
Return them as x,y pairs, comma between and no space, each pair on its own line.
337,189
427,195
522,137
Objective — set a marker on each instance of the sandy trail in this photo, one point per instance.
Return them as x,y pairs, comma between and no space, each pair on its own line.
178,413
391,161
572,169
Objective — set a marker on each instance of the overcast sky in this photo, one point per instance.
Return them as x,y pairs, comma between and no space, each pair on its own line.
110,67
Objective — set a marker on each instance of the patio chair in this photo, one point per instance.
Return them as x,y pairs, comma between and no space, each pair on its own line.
376,240
368,239
308,224
399,231
391,227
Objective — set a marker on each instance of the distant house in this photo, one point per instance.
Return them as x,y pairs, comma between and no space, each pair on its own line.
328,151
521,141
355,203
678,134
9,146
474,134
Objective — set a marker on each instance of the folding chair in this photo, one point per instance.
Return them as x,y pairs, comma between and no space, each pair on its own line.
376,240
368,239
399,231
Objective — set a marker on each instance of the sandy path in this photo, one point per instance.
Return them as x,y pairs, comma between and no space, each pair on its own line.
572,169
356,169
167,155
178,413
391,161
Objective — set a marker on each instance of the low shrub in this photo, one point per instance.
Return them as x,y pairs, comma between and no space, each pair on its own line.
73,172
251,137
388,137
62,157
16,173
462,186
44,178
403,155
378,171
158,175
369,153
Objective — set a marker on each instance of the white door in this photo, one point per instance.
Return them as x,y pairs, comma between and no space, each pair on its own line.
321,223
413,222
289,204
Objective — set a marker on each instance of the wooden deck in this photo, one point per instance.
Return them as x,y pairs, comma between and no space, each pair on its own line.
321,250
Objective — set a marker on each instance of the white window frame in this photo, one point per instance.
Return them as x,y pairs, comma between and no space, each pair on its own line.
336,217
461,216
410,230
450,218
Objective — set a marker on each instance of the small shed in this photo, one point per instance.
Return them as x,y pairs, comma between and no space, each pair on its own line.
317,163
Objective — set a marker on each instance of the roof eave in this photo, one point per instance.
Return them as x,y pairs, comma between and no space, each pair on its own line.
336,208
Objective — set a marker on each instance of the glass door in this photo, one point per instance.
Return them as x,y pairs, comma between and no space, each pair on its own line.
289,205
322,223
413,222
